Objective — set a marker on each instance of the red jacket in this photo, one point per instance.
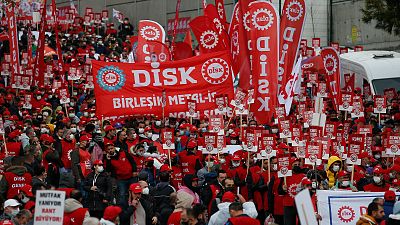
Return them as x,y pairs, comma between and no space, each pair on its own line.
76,217
13,148
174,218
375,188
67,148
188,162
121,166
292,183
16,178
243,220
176,177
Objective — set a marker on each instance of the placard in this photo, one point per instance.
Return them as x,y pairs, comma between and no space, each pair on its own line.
49,207
167,137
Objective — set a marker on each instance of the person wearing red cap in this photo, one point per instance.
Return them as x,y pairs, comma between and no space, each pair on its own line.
132,140
137,209
189,160
14,146
99,188
111,215
67,145
25,195
110,133
343,182
123,168
378,184
14,179
81,162
238,172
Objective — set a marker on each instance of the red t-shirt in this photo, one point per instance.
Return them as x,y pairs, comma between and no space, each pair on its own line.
174,218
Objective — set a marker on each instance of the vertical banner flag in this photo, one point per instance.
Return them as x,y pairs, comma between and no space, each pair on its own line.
174,32
13,37
207,34
60,64
331,61
148,31
39,64
265,38
212,13
291,28
221,11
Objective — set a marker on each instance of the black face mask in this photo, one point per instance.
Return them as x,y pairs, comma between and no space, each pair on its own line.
150,164
296,169
231,189
184,223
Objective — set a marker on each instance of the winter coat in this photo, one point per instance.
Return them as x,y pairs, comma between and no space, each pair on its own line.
393,220
162,191
388,208
222,216
125,216
332,176
94,200
366,220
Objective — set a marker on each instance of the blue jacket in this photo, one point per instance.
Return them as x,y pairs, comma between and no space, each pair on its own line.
388,207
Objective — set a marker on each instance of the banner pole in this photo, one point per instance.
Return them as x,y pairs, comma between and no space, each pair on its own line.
169,158
269,168
248,163
233,114
241,125
379,119
209,160
352,174
5,145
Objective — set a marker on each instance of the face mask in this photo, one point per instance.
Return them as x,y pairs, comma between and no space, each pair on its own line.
209,164
25,199
222,161
71,115
235,164
50,96
314,185
377,156
100,169
377,179
139,153
71,136
44,130
367,165
92,114
141,130
349,169
73,130
345,183
45,114
134,136
72,104
335,168
274,167
230,130
203,129
145,191
75,93
393,189
14,212
39,97
85,114
158,123
182,132
178,139
233,142
391,175
274,131
149,135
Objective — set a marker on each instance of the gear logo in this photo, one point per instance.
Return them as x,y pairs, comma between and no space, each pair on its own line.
262,19
394,148
110,78
330,64
215,71
218,25
150,33
294,11
346,214
220,9
246,21
209,39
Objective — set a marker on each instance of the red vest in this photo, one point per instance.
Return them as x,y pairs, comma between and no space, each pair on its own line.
122,167
13,148
292,183
67,148
176,177
85,163
375,188
256,176
139,160
76,217
243,220
15,183
188,162
214,190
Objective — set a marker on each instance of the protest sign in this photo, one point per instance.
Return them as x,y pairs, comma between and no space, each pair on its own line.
49,207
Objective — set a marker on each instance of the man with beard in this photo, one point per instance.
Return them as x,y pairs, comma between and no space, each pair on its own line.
189,189
375,213
227,185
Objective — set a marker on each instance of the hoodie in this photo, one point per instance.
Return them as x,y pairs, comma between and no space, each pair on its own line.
74,211
332,176
222,216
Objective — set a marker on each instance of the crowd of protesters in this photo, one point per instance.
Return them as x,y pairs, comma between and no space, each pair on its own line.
116,172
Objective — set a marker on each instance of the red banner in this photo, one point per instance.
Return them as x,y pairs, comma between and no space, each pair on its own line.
207,34
127,89
265,38
39,64
13,38
60,63
291,27
148,31
221,11
332,67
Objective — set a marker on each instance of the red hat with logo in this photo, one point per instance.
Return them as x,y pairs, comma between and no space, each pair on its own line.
98,162
108,142
236,157
108,128
165,168
84,138
47,138
14,134
282,145
192,144
135,188
228,197
378,170
305,181
390,195
396,182
149,159
111,212
27,189
147,129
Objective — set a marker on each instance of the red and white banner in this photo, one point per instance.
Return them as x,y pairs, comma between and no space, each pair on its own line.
216,124
219,4
182,27
284,169
313,153
207,34
148,31
40,65
393,145
167,137
13,38
60,62
332,67
380,104
265,39
127,89
291,28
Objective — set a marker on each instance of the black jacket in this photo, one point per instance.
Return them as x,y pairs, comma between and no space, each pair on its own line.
94,200
148,206
162,191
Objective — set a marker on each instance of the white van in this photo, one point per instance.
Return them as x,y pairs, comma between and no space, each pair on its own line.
380,68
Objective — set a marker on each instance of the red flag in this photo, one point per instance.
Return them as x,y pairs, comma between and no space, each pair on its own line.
148,31
265,36
178,5
60,63
221,12
331,61
212,13
39,64
159,52
182,51
206,34
188,38
291,28
13,38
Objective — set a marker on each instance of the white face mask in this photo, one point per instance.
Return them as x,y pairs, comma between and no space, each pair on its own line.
393,189
335,168
50,96
204,129
25,199
92,114
274,167
234,142
235,164
377,179
14,212
44,130
146,191
209,164
45,114
73,130
377,156
345,183
100,169
222,161
85,114
141,130
72,104
349,168
274,131
134,136
158,123
149,135
71,115
178,139
230,130
39,97
71,136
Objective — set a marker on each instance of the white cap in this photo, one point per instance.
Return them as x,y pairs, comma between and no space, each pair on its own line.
11,202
